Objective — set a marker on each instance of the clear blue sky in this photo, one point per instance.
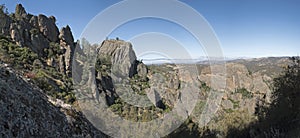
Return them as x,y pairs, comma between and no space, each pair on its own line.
248,28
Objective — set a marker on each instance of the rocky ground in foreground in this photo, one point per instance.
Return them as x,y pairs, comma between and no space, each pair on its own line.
26,111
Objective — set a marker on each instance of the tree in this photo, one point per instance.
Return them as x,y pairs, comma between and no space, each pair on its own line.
284,112
282,117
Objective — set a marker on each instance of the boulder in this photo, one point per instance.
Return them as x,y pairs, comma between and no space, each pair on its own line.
142,70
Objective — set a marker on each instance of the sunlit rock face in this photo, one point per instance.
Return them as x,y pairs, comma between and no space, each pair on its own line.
121,54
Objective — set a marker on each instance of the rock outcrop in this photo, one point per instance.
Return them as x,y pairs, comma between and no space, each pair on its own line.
115,60
67,45
243,88
20,12
5,22
38,44
121,55
142,70
48,28
66,35
38,33
15,34
34,21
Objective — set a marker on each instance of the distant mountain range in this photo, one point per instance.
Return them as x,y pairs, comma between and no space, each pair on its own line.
200,60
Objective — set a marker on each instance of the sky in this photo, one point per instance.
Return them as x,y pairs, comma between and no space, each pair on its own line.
244,28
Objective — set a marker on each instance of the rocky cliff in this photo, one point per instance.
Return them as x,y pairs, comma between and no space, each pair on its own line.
41,35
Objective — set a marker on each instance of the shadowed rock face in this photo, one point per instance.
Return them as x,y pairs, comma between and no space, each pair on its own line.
39,43
5,22
68,45
48,28
66,35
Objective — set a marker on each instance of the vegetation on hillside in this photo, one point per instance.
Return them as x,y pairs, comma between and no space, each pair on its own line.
30,65
18,57
282,117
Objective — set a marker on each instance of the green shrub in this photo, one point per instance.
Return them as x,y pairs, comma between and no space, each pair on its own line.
103,65
205,86
236,104
53,50
18,56
245,93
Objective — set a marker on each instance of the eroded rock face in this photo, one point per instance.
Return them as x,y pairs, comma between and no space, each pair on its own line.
121,54
20,33
35,32
65,35
39,43
165,86
244,89
5,22
27,112
237,76
119,61
68,45
16,35
48,28
142,70
34,21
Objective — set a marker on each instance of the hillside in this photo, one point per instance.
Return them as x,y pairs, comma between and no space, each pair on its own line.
52,86
26,111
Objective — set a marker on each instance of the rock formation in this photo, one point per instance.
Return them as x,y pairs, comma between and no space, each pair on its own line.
48,28
37,33
121,55
5,22
20,12
68,45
